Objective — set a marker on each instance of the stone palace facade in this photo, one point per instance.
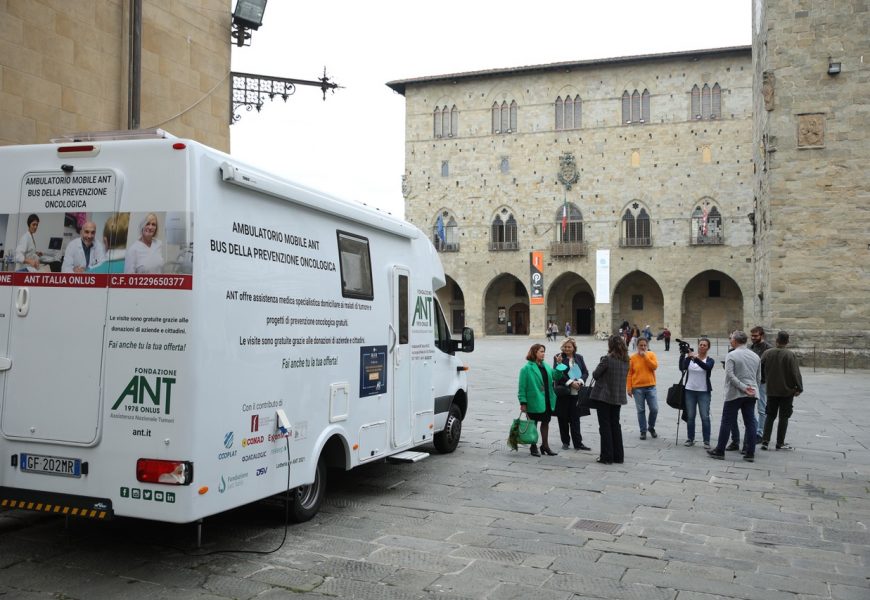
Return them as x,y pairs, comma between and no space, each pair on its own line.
589,192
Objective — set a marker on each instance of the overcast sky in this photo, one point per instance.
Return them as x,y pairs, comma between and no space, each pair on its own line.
352,144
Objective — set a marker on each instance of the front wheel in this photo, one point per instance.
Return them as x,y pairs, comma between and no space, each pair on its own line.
446,441
305,500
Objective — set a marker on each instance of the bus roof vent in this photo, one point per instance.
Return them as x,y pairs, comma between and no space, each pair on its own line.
119,134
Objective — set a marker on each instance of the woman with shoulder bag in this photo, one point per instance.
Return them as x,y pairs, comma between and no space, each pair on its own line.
536,394
698,390
567,390
608,395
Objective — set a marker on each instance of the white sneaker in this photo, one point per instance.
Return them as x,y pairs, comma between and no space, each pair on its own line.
706,445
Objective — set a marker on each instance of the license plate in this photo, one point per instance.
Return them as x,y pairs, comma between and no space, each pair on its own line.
51,465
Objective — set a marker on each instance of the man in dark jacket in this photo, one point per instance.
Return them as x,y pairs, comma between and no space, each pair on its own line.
760,345
784,382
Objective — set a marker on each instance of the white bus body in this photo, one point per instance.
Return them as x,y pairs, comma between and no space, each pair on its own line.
159,383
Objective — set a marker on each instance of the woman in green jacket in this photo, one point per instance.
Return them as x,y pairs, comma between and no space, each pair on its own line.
536,394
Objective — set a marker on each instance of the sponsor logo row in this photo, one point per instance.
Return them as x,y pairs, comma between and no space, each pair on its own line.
146,494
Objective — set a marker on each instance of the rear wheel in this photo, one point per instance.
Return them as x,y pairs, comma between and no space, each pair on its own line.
305,500
446,441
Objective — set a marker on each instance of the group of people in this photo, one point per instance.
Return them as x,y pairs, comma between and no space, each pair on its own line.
87,254
758,377
633,334
759,373
545,390
553,330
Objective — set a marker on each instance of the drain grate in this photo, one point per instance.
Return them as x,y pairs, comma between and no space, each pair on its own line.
602,526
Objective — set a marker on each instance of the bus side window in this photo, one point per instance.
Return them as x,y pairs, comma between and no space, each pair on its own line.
356,266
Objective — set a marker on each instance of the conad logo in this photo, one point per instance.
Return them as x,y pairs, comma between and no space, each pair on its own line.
252,441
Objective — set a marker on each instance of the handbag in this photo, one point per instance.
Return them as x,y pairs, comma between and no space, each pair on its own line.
522,431
584,399
676,395
677,399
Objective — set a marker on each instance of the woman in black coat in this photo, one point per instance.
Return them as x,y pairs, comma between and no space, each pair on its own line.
567,389
608,396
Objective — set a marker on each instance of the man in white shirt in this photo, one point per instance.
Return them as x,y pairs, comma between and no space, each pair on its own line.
84,252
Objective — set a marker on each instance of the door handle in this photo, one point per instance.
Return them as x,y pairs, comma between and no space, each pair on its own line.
22,301
394,337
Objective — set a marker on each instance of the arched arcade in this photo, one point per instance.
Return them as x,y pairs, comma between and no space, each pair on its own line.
506,306
570,299
712,305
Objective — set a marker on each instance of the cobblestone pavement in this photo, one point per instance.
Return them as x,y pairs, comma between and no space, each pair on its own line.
485,522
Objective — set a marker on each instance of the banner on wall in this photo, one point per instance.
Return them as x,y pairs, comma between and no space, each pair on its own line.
536,268
602,276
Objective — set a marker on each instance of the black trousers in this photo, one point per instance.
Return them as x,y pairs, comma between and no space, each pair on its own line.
611,432
569,420
781,408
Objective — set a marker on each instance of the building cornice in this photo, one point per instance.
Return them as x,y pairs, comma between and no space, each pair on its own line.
400,85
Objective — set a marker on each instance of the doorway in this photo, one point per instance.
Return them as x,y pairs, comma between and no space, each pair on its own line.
583,319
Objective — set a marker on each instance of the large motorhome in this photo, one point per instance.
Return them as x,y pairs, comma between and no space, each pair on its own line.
181,334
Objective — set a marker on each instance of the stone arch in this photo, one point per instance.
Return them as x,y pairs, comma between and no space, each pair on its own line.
712,305
506,302
452,300
638,299
500,93
571,298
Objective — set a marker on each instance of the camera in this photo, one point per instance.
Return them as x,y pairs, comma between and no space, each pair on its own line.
685,348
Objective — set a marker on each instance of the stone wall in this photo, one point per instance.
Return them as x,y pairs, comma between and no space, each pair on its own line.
64,68
667,165
812,146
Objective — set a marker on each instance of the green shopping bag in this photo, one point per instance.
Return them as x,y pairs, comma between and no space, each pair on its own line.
522,431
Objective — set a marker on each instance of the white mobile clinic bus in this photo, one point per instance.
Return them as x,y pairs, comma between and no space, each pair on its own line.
225,326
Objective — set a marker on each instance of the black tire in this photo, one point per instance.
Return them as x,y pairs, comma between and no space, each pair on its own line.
446,441
305,500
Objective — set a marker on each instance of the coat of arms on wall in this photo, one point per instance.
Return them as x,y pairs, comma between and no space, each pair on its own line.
406,187
811,131
568,174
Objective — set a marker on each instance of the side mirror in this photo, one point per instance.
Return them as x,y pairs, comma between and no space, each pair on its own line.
466,342
467,339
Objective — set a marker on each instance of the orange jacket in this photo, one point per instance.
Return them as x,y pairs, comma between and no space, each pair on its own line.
641,371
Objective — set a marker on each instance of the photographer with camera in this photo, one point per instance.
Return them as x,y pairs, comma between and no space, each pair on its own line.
698,387
641,384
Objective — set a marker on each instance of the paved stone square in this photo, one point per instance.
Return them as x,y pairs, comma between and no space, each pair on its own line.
486,522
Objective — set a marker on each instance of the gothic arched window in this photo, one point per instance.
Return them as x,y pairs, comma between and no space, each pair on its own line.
569,223
635,107
706,225
504,117
503,232
445,236
706,102
568,112
636,230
